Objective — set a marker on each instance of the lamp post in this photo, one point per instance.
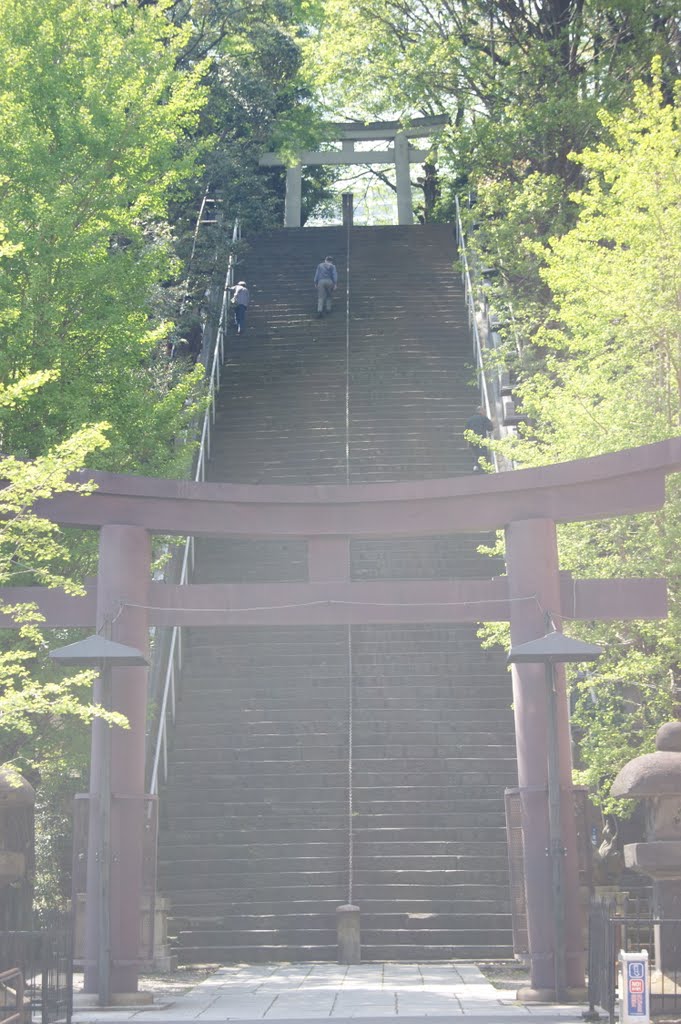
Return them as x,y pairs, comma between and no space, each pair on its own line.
552,649
99,652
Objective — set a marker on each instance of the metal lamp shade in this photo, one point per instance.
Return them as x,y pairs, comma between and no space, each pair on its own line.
554,647
97,649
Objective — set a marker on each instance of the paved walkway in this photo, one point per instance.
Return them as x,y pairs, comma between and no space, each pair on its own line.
306,992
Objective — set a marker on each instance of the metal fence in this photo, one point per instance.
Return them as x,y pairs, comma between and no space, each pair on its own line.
513,799
36,971
632,926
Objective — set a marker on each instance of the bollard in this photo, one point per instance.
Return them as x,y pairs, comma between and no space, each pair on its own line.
347,927
348,209
635,989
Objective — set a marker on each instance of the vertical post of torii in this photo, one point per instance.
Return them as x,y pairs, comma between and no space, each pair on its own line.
534,591
122,597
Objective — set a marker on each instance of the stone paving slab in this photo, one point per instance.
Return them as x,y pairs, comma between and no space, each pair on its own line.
318,992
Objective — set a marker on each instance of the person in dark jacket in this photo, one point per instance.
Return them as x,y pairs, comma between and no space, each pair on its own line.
479,423
325,279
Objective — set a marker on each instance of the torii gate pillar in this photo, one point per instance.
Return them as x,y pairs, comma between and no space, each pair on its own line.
405,206
534,589
293,204
122,597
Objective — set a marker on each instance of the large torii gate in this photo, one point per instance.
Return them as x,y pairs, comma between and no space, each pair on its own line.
527,504
401,153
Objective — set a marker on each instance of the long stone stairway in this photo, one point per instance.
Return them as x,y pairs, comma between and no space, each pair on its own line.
259,841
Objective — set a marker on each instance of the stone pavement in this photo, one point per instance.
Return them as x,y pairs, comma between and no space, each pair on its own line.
363,993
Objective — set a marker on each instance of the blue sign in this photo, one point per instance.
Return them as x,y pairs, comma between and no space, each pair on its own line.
637,997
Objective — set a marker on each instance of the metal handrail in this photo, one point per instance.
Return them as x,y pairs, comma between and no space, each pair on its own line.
159,766
469,295
490,396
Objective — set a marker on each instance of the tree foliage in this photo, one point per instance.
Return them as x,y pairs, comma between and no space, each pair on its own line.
606,377
95,126
31,550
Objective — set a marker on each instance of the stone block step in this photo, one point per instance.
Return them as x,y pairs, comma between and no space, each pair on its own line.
253,851
305,922
210,832
418,812
256,954
422,953
199,909
317,935
323,881
329,954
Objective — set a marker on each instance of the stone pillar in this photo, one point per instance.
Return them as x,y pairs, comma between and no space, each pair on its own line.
293,203
532,564
348,209
405,209
124,574
348,929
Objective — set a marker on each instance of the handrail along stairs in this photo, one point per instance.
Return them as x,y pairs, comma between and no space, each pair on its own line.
173,668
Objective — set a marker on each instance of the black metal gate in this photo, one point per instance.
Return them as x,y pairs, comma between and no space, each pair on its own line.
632,930
36,966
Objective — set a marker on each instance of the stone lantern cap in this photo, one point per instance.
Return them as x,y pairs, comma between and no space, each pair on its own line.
657,774
15,791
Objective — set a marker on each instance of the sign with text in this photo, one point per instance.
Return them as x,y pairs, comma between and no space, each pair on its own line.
634,994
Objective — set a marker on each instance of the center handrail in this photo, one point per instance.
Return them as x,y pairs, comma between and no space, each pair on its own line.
167,708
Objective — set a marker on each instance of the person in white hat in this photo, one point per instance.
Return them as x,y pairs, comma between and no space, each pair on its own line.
240,300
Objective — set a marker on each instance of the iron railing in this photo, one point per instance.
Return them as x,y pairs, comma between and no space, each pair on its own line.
487,398
171,670
36,971
11,996
631,926
495,389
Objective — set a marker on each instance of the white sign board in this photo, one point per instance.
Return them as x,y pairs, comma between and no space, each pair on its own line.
635,989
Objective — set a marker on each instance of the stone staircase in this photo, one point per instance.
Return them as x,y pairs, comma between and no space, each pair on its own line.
254,847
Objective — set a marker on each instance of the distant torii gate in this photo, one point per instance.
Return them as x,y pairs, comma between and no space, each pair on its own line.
401,154
527,504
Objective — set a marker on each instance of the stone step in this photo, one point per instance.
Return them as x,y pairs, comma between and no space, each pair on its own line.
186,818
259,953
384,883
426,856
380,811
307,922
201,907
399,837
318,935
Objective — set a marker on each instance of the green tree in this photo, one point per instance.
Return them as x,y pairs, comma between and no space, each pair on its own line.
607,377
522,85
95,134
30,549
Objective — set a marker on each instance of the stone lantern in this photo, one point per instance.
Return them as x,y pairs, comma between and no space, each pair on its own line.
656,778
